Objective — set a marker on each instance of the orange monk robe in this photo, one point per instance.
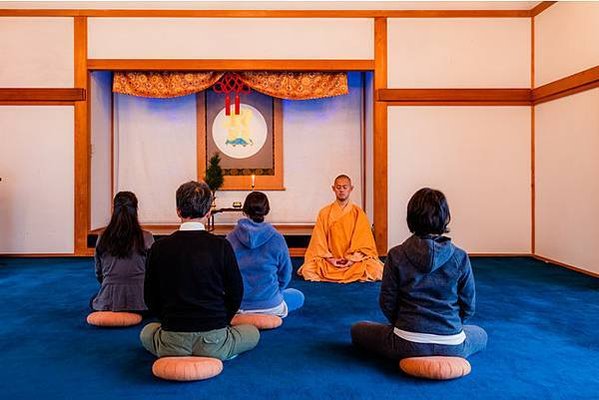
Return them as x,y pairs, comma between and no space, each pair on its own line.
342,233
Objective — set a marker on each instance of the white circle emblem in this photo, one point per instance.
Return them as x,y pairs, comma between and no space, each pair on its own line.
239,136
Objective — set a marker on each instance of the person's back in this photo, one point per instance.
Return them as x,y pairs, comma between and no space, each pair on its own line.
418,302
194,286
193,270
264,261
120,258
427,293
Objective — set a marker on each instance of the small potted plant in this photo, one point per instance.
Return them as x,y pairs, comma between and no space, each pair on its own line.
214,176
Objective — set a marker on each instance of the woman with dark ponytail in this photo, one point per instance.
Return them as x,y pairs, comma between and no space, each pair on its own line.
120,259
264,262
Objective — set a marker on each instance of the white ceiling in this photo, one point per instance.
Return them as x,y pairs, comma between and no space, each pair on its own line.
275,5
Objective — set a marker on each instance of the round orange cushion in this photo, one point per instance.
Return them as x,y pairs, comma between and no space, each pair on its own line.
440,368
113,319
260,321
187,368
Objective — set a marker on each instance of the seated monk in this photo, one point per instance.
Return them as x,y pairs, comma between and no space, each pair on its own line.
342,247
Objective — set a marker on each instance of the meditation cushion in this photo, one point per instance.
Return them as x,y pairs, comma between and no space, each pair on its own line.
113,319
440,368
187,368
260,321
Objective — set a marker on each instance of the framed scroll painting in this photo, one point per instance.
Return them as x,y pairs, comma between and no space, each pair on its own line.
249,144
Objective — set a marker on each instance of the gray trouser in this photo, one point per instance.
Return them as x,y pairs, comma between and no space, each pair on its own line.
380,339
222,343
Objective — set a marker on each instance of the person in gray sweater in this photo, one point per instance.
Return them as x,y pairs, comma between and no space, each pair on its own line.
427,293
120,259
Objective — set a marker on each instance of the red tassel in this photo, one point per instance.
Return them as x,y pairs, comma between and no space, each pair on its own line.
237,103
227,105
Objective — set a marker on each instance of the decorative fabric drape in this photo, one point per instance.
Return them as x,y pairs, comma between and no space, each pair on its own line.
163,84
281,84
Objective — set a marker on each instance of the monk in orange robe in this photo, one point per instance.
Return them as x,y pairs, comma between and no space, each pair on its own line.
342,247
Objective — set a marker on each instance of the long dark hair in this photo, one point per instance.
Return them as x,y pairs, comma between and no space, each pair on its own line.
123,235
256,206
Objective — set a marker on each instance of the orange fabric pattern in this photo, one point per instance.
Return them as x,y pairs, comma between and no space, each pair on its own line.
342,233
163,84
297,85
284,85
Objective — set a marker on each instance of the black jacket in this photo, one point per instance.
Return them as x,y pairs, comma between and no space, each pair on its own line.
193,283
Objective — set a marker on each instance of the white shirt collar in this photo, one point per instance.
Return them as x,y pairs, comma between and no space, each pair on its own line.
192,226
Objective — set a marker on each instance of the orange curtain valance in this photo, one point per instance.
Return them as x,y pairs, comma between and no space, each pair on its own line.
284,85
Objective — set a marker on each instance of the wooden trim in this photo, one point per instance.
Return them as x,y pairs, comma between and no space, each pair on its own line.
266,13
82,140
542,6
380,176
532,142
533,186
576,83
37,103
230,65
363,147
561,264
455,96
243,183
454,103
297,251
112,188
42,95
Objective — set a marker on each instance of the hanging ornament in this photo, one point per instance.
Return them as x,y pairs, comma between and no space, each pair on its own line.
231,83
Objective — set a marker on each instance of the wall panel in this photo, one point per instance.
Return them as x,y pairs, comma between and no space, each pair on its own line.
459,53
231,38
36,191
479,157
36,52
101,142
567,180
566,40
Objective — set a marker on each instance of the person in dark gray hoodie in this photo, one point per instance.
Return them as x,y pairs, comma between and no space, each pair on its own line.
427,293
264,262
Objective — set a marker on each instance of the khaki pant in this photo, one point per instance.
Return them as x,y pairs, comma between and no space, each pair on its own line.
222,343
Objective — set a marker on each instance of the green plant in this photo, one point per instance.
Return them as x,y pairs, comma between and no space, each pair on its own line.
214,174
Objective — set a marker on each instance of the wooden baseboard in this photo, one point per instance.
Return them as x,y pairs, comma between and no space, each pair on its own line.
561,264
499,255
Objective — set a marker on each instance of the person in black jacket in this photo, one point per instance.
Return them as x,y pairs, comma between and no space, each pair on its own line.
194,286
427,293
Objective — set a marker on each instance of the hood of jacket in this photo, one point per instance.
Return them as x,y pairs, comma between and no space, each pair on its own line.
253,234
427,253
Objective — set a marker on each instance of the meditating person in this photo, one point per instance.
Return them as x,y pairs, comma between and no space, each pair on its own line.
342,247
427,293
264,262
120,259
194,286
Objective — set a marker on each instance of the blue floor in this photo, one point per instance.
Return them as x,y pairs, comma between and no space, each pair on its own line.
542,321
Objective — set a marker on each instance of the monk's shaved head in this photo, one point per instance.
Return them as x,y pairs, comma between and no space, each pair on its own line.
342,187
342,176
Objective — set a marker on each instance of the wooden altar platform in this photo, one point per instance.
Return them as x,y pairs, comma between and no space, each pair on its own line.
296,236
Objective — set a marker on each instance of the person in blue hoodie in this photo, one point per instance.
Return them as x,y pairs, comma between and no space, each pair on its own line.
264,262
427,293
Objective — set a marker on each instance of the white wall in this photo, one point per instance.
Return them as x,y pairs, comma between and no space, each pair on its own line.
231,38
36,52
479,157
36,191
155,151
101,138
566,40
567,180
459,52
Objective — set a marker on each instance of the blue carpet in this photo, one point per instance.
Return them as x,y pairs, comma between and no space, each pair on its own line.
542,321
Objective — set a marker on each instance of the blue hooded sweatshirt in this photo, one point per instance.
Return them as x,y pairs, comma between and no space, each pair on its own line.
264,262
428,286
